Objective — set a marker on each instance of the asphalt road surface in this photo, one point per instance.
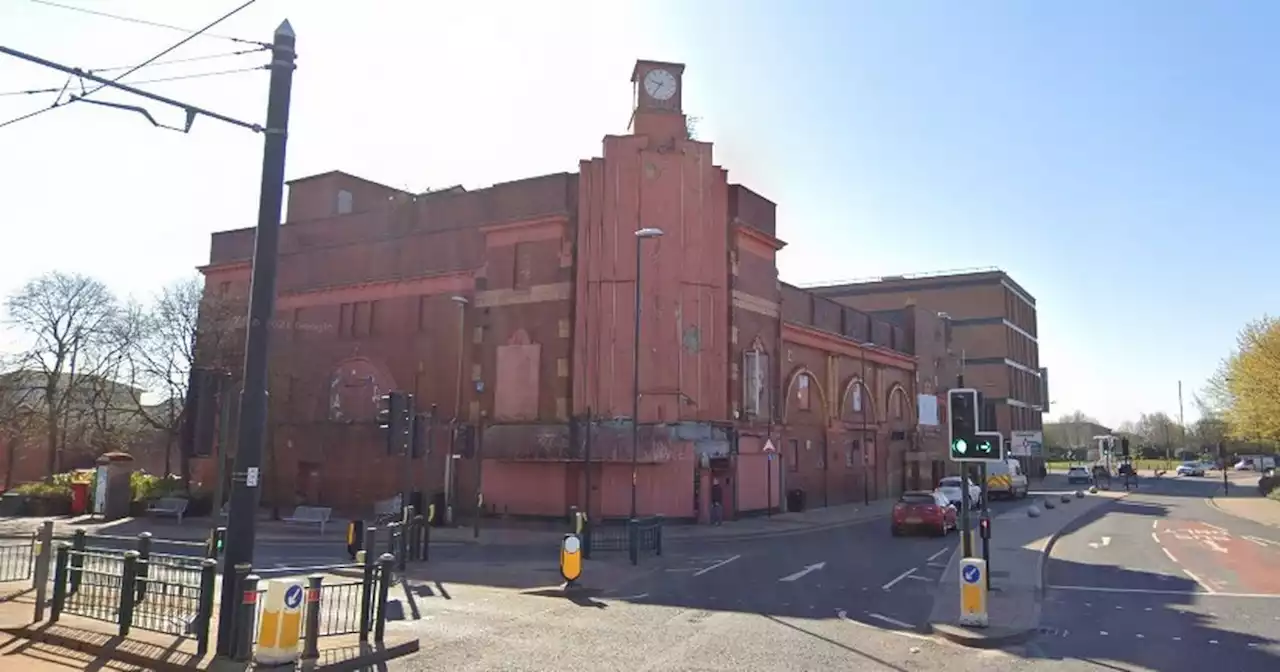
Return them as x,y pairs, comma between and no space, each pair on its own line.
1163,581
819,600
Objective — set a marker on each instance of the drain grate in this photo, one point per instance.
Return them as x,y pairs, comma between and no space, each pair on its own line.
1051,632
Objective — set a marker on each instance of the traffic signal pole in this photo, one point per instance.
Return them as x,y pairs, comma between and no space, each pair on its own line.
966,544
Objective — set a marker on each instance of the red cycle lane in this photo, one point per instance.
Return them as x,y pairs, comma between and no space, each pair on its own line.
1221,561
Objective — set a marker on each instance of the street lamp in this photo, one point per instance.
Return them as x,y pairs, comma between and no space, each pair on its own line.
457,409
647,232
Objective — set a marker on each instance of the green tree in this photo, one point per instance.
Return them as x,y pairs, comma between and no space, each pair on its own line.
1248,384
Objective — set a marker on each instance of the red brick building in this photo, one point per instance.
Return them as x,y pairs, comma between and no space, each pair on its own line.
511,309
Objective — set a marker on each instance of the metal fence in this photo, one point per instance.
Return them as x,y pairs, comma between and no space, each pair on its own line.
17,558
171,595
637,537
342,604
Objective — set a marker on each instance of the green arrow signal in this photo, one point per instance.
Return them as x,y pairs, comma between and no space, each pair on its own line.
960,446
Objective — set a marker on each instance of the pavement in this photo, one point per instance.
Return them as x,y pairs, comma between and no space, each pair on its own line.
1243,501
1018,555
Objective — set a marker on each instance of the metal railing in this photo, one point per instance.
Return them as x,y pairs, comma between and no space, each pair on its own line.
637,537
17,558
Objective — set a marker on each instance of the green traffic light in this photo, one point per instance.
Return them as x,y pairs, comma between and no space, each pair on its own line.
959,446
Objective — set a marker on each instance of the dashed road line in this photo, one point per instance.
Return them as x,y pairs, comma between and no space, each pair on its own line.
718,565
937,555
900,577
1155,538
1166,552
1154,591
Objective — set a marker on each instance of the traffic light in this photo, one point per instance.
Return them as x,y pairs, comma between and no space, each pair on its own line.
986,446
984,527
1124,446
962,413
419,441
394,411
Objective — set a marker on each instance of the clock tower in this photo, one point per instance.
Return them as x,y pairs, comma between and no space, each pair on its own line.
659,94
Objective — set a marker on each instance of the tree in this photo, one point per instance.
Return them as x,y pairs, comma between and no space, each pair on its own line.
1248,384
20,416
164,350
70,319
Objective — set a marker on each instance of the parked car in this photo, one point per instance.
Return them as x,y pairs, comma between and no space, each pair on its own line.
1244,465
1078,475
923,511
1190,469
950,488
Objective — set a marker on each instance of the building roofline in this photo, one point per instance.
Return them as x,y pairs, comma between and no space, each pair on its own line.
329,173
908,280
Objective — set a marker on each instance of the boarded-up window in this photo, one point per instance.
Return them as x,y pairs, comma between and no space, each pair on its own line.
524,266
515,395
755,390
802,392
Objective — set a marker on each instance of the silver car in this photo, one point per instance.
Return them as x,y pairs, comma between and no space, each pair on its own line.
1190,469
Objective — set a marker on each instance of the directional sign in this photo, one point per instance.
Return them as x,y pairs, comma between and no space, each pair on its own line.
973,592
769,447
971,574
293,596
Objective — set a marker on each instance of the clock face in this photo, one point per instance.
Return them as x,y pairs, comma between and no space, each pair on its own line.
660,84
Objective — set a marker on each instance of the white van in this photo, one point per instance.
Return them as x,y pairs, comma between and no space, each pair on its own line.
1006,479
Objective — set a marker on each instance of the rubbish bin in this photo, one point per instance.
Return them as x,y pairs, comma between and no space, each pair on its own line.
795,500
79,499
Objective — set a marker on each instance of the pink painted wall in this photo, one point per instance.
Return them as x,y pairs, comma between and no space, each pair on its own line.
526,488
684,280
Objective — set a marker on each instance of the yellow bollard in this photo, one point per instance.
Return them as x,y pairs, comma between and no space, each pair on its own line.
973,592
281,625
570,559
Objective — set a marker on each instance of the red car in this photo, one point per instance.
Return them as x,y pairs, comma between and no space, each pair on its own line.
923,511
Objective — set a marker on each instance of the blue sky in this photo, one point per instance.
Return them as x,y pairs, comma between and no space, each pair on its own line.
1110,156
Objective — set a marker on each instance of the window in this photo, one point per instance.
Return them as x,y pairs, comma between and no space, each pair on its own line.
345,202
899,405
802,392
855,398
794,445
755,393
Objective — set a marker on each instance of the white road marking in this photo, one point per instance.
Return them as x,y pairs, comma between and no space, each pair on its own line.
1166,552
1260,541
937,555
917,577
901,576
886,619
804,572
1220,529
1213,545
1106,541
1154,523
718,565
1155,538
1152,591
1199,581
844,616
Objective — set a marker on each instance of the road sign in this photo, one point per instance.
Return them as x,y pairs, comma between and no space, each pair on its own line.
973,592
281,623
769,447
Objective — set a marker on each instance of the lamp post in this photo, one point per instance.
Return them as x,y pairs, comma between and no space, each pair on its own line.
457,409
641,235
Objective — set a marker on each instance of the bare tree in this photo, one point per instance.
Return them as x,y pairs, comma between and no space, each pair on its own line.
20,414
181,328
68,318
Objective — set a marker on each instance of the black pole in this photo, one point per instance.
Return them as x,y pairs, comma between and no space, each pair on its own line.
408,458
635,384
253,397
426,466
586,504
479,458
1222,455
966,542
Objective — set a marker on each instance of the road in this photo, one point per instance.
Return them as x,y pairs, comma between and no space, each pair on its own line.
819,600
1163,581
